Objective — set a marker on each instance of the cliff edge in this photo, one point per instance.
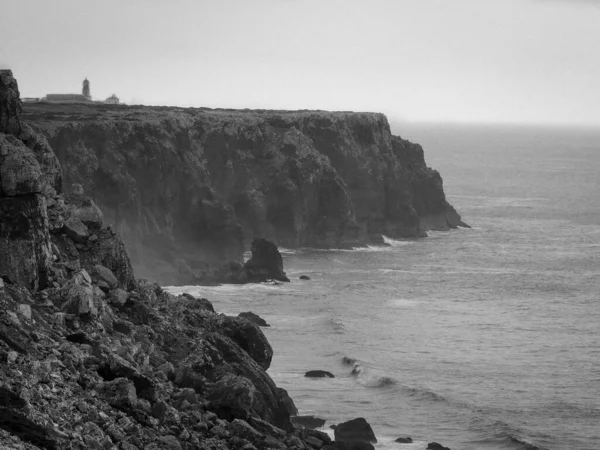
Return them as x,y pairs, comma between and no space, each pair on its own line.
188,189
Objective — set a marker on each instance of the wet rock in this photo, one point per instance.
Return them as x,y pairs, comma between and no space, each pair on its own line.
309,421
254,318
404,440
304,277
265,264
287,402
318,374
76,230
355,431
436,446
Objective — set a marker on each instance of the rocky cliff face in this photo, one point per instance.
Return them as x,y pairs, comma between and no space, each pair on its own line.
90,358
188,189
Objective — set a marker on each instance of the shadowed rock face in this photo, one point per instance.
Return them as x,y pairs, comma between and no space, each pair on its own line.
189,189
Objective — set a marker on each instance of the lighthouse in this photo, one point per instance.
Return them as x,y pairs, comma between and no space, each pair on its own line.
86,89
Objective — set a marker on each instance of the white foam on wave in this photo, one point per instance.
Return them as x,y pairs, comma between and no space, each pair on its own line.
225,289
388,442
396,242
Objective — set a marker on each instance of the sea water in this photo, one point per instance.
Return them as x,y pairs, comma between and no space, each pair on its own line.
482,338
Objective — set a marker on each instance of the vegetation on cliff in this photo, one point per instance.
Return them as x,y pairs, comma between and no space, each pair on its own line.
188,189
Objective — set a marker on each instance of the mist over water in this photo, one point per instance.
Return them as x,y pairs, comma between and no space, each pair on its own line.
478,339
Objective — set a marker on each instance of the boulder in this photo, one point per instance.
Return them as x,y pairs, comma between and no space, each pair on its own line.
76,230
318,374
265,264
232,397
436,446
78,295
119,393
250,338
118,297
88,212
254,318
101,273
304,277
354,431
404,440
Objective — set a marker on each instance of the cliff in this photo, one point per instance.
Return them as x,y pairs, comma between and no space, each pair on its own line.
90,357
188,189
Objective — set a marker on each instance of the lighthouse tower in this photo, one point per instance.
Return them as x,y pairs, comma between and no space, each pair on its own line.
86,89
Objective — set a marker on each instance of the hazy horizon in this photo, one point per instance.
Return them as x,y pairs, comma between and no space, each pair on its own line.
531,62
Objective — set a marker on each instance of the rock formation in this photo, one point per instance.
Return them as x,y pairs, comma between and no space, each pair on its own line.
189,189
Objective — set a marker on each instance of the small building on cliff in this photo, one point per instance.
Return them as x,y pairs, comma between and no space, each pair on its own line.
112,100
84,97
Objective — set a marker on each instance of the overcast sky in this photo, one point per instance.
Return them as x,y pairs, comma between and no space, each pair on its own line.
534,61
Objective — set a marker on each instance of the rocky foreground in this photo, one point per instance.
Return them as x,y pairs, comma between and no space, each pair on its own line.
188,189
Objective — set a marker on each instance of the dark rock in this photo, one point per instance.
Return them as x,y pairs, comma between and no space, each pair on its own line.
122,326
265,264
309,421
304,277
353,431
404,440
232,397
436,446
120,393
285,399
249,337
318,374
254,318
79,337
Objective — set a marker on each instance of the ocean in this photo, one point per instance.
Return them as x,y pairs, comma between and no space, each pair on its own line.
482,338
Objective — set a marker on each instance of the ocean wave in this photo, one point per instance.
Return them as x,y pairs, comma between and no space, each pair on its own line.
504,434
367,379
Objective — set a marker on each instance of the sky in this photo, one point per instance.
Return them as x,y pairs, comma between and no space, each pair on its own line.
505,61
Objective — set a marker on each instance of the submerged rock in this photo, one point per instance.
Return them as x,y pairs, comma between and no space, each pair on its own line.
404,440
436,446
318,374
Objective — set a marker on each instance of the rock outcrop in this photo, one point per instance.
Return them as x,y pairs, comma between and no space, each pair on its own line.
189,189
